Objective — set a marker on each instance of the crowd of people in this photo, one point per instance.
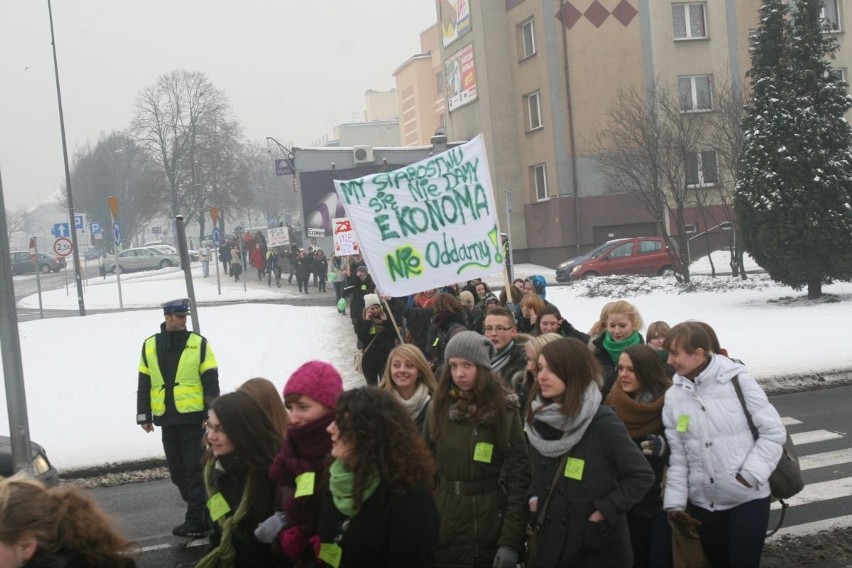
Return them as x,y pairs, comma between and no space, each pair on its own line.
472,445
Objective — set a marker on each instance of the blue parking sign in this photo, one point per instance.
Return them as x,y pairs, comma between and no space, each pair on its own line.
217,237
116,233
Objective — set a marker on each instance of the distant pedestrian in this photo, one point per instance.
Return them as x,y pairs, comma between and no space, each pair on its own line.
178,379
204,257
225,256
236,264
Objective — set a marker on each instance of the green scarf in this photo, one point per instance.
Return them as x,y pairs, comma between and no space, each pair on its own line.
614,348
224,555
342,487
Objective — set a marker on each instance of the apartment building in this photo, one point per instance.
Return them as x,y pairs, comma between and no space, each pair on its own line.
538,78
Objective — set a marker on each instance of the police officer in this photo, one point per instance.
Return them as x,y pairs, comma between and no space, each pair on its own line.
178,379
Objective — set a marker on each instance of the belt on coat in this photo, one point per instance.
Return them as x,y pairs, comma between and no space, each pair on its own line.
468,487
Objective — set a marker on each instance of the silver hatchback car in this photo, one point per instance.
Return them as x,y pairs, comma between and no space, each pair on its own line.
143,258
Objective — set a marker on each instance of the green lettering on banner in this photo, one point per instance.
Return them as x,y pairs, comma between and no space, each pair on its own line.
384,228
498,254
353,189
476,254
407,262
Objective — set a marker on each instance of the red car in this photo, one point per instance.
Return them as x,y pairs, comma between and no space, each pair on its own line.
637,255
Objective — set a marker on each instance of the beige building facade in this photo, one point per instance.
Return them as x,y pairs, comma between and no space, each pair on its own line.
538,79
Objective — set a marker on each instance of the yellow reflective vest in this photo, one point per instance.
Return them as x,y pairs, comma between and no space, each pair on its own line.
188,391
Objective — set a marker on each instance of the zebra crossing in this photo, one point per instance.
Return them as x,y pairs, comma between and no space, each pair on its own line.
825,457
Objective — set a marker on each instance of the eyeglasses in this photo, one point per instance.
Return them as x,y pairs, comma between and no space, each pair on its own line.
210,428
656,338
497,328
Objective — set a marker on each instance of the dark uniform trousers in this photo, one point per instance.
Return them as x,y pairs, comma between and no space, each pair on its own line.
183,445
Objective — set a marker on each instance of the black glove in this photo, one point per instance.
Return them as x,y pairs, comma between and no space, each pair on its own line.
654,445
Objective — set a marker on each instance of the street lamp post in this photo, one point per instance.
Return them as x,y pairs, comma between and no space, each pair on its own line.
75,252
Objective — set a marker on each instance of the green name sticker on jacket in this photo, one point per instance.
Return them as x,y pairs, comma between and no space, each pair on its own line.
218,507
683,423
330,553
305,484
482,452
574,468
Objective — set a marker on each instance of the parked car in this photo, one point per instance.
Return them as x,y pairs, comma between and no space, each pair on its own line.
637,255
42,468
21,262
193,254
144,258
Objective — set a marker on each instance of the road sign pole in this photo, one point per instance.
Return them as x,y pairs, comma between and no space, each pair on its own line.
214,215
38,276
117,265
187,272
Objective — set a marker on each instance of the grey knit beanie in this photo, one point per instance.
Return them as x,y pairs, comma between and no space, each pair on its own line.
472,347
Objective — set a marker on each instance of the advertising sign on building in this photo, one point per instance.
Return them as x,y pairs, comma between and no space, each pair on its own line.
460,73
344,238
428,224
455,19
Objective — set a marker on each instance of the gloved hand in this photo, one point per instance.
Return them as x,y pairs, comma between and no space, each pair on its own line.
654,445
269,529
505,558
684,522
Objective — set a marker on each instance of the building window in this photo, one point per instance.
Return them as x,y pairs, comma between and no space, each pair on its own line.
695,93
701,169
534,111
527,39
688,21
439,83
538,175
830,15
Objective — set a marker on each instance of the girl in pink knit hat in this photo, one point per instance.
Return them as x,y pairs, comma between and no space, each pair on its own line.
300,468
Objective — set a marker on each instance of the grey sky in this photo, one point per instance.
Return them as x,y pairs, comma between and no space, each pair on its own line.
292,69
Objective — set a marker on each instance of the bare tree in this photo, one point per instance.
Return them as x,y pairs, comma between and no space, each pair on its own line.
115,166
650,148
176,121
17,222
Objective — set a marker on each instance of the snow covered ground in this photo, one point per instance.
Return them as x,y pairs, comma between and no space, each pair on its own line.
80,373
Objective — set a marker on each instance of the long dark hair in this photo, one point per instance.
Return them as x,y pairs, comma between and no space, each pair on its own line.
573,363
489,392
648,369
384,440
255,441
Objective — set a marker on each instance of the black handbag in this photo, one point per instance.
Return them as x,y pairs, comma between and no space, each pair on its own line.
786,479
533,527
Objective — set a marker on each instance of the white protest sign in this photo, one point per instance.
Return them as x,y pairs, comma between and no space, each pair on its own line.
278,237
344,239
428,224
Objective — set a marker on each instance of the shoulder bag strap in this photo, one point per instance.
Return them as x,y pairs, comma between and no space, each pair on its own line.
739,389
375,337
540,518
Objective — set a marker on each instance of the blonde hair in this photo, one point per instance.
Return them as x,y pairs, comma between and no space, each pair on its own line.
60,519
600,325
532,301
534,345
624,308
413,354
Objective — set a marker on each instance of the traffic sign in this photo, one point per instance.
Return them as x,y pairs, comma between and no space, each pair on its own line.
60,230
116,233
62,246
80,223
217,237
95,228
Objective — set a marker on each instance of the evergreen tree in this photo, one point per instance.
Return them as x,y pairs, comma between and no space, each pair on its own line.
795,189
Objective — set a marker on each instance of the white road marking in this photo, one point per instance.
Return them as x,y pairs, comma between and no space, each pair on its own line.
826,459
814,436
789,421
822,491
816,526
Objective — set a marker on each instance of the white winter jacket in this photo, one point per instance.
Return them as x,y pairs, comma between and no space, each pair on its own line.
711,442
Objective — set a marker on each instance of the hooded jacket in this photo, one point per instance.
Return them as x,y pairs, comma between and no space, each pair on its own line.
711,442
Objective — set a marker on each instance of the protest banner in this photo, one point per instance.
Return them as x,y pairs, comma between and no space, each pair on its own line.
278,237
428,224
344,238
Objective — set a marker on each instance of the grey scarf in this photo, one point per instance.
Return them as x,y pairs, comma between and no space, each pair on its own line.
417,401
573,429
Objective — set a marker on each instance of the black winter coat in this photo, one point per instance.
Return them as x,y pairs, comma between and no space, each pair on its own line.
390,530
615,475
380,342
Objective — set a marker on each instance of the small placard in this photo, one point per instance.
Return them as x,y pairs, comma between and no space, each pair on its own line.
482,452
305,484
330,553
574,468
218,507
683,423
